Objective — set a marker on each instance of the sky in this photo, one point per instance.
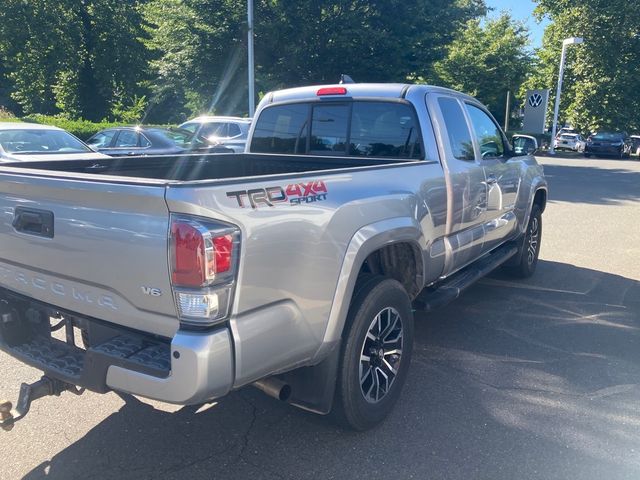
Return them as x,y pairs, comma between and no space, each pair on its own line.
521,10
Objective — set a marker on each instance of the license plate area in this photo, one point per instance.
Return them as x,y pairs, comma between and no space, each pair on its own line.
76,349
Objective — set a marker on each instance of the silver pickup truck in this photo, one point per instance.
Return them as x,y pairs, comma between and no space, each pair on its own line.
294,267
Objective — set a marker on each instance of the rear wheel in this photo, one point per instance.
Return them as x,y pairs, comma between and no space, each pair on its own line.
375,353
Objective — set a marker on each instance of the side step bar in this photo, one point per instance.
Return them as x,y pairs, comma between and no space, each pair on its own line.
452,287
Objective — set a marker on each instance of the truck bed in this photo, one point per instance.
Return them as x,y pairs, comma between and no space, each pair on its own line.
204,167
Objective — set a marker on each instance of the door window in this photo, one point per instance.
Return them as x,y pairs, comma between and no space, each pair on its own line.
102,139
457,129
234,130
144,141
487,132
127,139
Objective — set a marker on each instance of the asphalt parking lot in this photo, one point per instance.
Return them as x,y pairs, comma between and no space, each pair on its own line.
516,380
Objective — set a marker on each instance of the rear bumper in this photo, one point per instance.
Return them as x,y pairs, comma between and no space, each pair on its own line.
603,150
202,371
190,368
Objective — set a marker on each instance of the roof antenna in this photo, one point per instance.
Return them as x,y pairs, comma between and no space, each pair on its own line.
344,78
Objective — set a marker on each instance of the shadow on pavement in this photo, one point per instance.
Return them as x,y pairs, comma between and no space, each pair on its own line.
606,186
538,379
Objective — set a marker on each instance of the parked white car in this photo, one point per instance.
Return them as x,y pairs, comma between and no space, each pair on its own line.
570,141
31,142
228,131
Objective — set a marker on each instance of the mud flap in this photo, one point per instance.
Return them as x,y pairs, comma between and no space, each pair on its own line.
313,388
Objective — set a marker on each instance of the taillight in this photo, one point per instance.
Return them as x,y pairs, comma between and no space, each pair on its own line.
199,254
204,257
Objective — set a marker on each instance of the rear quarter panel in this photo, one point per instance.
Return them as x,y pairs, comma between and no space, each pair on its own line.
292,253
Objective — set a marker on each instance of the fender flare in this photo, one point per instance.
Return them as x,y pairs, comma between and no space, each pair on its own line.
365,241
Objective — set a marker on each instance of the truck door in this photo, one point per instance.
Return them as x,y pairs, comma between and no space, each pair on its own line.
502,176
464,176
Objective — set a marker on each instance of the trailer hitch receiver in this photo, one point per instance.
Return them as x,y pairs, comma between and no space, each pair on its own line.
44,387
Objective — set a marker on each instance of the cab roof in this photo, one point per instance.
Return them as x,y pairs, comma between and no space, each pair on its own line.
355,90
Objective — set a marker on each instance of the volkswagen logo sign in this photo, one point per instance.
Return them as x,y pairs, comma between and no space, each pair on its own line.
535,100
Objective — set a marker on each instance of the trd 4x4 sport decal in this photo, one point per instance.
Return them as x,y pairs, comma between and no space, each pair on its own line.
294,194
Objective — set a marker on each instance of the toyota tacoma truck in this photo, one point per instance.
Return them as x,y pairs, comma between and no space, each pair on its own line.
295,266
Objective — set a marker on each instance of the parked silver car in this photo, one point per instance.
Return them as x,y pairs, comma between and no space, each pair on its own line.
20,142
228,131
570,141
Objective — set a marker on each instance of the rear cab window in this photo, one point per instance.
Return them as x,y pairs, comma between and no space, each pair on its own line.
355,128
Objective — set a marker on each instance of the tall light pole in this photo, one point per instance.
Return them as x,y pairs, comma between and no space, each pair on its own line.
554,128
252,93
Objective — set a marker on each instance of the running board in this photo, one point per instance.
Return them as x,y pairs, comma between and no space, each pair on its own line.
452,287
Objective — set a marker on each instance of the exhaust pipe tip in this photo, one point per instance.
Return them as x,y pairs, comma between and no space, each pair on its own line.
274,387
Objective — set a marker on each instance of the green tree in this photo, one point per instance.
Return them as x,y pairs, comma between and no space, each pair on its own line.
199,52
601,82
200,46
72,55
486,60
309,41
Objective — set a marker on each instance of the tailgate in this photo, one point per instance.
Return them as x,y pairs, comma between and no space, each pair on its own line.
96,248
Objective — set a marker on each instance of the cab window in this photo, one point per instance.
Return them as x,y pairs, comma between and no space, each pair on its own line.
487,132
329,125
359,128
457,129
281,129
384,130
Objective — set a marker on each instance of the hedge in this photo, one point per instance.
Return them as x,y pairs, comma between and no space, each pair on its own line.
82,129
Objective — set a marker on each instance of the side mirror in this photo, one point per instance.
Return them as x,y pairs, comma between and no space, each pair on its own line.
524,144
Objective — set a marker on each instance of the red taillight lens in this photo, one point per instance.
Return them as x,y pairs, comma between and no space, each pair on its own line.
188,255
223,247
198,254
331,91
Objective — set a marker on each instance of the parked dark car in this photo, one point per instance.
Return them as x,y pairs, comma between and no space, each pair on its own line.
130,141
615,144
635,144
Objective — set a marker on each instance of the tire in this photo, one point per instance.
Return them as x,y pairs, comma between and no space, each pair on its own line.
587,155
363,397
529,250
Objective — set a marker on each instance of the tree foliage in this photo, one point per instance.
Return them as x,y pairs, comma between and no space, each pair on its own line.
601,82
160,61
201,45
309,41
486,60
71,55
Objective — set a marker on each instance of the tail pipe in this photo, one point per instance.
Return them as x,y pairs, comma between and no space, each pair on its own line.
274,387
